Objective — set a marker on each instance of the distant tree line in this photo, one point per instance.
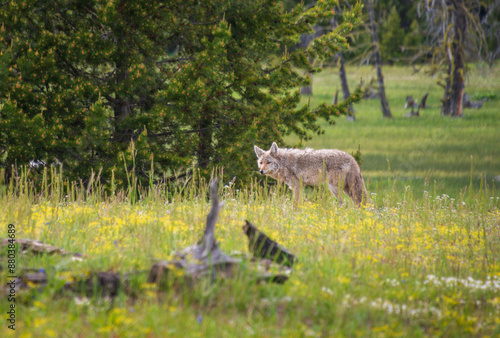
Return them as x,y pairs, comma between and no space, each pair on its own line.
445,35
410,31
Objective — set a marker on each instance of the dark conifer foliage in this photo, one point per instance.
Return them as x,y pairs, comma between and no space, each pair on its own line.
157,86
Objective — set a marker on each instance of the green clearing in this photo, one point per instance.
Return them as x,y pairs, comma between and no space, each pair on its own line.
413,263
429,153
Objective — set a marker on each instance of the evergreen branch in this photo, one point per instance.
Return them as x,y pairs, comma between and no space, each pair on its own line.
204,23
173,60
170,133
67,20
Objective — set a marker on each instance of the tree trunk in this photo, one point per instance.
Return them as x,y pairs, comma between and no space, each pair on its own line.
205,140
121,106
454,86
309,89
121,110
305,40
378,64
345,86
446,102
343,77
457,49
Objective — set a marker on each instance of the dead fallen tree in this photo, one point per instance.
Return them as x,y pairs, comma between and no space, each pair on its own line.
471,104
203,260
413,103
204,257
37,247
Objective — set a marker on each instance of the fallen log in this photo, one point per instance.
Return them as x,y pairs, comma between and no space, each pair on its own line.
202,258
37,247
471,104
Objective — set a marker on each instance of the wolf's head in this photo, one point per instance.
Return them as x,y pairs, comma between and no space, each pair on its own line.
267,161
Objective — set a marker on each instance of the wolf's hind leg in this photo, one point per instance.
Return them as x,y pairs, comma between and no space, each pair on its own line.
348,189
335,191
354,187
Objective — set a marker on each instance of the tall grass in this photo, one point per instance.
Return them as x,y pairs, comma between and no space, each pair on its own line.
404,265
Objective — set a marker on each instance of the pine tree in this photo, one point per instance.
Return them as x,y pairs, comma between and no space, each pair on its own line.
391,37
413,40
157,86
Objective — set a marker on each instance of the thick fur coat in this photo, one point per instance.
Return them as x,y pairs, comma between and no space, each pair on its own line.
334,167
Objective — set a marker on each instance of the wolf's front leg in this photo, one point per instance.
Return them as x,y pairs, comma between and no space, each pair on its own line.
295,186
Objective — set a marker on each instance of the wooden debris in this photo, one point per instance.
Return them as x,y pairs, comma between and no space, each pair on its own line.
104,283
273,278
471,104
423,102
29,278
204,257
263,247
207,250
37,247
411,103
271,272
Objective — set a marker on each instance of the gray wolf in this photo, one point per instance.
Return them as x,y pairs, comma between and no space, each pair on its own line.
294,167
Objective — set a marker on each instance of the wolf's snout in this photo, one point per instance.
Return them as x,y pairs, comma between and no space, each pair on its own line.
261,171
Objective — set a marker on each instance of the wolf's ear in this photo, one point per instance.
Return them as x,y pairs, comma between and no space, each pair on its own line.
259,152
274,149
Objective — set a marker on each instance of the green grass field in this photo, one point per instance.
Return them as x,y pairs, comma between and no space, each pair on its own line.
423,259
428,153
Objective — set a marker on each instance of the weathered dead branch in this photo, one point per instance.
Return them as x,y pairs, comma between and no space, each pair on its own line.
262,246
37,247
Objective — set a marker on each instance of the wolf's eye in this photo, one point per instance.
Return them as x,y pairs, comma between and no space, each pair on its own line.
268,162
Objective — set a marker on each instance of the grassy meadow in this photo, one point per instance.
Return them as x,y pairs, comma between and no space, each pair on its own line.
422,259
428,153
